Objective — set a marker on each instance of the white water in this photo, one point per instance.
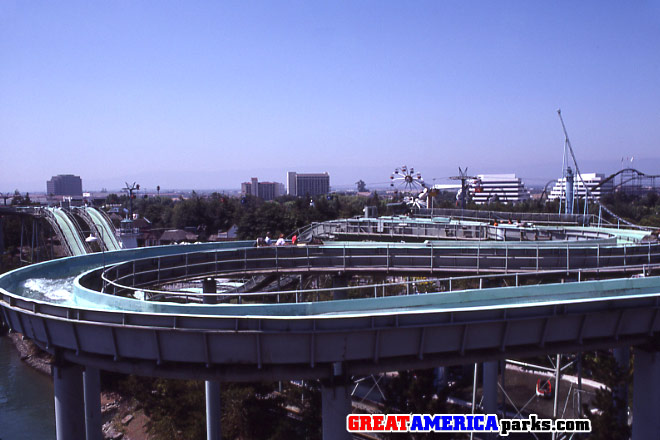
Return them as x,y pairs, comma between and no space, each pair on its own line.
56,290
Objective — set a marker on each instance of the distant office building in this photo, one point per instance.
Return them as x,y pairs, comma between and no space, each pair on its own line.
504,188
591,180
264,190
64,185
314,184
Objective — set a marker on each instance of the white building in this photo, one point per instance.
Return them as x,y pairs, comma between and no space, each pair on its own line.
504,188
265,190
590,179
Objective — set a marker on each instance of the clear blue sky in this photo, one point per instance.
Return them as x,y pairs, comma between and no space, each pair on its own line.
187,94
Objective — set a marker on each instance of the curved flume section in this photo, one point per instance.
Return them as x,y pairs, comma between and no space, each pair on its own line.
69,231
102,223
306,339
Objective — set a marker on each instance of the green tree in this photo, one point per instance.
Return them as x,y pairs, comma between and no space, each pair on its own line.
606,423
176,408
243,405
413,392
112,199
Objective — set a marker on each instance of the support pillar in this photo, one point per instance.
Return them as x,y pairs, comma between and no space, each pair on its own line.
212,387
646,398
92,393
622,358
579,385
490,387
209,285
340,280
440,379
335,405
213,408
69,401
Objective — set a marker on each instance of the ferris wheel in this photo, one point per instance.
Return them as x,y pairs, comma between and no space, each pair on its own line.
405,179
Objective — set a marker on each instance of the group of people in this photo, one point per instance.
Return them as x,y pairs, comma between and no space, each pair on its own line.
267,241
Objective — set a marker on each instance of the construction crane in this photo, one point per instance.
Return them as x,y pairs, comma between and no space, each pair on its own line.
567,174
587,191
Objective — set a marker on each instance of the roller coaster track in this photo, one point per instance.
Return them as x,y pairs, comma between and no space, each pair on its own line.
623,171
605,181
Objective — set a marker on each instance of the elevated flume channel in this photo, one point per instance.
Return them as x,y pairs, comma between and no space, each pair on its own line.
102,223
69,231
335,339
267,341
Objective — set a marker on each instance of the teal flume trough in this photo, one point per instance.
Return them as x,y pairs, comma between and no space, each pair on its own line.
307,340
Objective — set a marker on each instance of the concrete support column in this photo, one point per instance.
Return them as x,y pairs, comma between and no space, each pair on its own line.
340,280
213,403
336,405
92,393
579,385
209,285
646,398
440,379
213,406
490,387
69,401
622,357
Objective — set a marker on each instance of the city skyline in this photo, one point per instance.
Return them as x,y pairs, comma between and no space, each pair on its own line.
378,182
201,95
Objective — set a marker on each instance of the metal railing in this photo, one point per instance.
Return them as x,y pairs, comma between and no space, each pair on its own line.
536,217
401,288
393,228
141,275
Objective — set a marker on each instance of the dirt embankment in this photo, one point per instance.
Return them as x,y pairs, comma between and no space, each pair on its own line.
31,354
122,417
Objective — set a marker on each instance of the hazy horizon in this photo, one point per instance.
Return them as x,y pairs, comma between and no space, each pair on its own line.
373,177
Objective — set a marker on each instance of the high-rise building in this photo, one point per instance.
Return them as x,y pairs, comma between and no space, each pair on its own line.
311,184
591,180
504,188
264,190
64,185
